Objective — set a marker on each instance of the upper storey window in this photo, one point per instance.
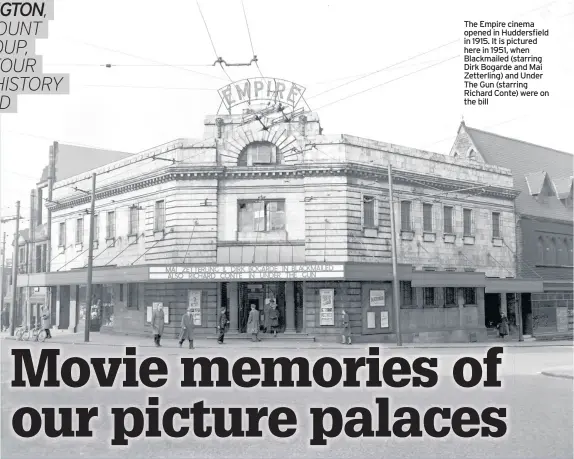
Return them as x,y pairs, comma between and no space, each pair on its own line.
259,154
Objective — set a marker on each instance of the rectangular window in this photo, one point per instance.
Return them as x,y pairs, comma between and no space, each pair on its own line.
262,154
448,220
111,225
369,203
427,218
62,235
469,295
132,296
406,216
96,228
408,294
450,297
39,208
121,292
429,298
467,222
159,216
495,224
134,221
39,249
261,216
80,230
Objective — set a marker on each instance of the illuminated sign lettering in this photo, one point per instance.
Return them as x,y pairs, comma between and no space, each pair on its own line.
261,89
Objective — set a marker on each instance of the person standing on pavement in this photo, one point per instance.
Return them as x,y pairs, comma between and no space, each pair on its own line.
346,325
5,318
187,326
223,324
253,323
46,323
503,328
274,319
157,324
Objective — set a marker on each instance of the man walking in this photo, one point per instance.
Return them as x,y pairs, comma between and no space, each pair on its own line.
223,323
186,329
157,323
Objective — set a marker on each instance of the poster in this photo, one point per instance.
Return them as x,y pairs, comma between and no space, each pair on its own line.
149,312
370,320
194,302
562,319
377,298
327,309
384,319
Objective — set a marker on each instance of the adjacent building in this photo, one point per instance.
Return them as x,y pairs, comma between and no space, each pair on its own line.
544,226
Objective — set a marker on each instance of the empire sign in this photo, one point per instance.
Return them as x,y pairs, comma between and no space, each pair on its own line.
261,89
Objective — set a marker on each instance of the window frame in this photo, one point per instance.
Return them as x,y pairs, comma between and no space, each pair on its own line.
79,231
410,215
406,286
467,290
471,222
427,205
455,297
496,235
133,223
110,224
159,220
266,220
445,220
427,290
132,291
374,201
62,234
246,157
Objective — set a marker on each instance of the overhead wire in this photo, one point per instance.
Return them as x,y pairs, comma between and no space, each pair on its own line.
250,39
217,56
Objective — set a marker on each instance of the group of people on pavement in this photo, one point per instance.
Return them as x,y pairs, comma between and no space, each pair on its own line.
46,323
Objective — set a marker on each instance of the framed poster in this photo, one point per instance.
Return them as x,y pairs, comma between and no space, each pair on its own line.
377,298
384,319
371,320
149,312
194,302
327,308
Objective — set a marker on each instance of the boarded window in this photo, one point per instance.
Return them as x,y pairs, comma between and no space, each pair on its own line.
369,211
448,220
159,216
427,218
134,220
467,222
495,224
80,231
406,216
261,216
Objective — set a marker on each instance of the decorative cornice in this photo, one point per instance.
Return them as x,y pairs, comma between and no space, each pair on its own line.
192,172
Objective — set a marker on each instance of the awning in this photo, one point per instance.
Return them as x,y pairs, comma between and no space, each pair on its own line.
513,286
100,275
376,272
447,279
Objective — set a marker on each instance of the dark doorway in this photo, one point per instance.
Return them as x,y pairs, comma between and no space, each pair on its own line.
64,307
260,295
526,314
491,310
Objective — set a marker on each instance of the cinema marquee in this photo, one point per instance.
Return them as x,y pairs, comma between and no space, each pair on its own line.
260,90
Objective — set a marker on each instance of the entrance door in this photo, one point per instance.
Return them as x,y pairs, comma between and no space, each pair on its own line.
377,301
491,310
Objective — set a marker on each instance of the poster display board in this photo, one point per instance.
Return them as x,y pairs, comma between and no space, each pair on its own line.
149,312
194,302
377,298
371,320
384,319
327,309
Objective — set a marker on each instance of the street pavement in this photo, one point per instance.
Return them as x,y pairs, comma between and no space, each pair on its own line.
540,407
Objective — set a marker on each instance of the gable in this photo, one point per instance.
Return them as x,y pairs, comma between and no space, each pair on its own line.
464,148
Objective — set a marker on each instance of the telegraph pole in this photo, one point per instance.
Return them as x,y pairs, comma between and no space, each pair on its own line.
15,269
90,263
396,297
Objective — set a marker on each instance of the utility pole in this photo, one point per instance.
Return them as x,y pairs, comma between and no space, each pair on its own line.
90,263
396,297
3,273
15,270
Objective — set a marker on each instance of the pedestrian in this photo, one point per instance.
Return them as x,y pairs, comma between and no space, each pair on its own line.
266,317
223,324
5,318
274,318
503,328
186,329
46,325
157,324
253,323
346,326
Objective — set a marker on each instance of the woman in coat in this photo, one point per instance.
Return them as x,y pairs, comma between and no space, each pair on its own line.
157,324
503,328
46,323
186,329
274,319
253,323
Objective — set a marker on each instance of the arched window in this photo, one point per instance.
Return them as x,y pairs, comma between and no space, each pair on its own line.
541,250
552,252
562,255
258,154
472,154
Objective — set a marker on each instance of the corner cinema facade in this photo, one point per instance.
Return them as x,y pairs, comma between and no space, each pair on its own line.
268,209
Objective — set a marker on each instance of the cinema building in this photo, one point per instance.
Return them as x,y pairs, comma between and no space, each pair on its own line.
268,209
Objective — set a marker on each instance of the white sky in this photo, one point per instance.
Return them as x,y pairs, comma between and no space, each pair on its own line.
319,44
